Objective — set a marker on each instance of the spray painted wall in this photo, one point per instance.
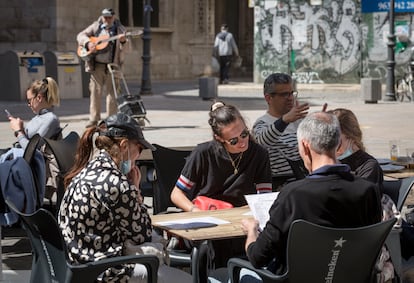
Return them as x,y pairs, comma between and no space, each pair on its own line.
328,43
316,44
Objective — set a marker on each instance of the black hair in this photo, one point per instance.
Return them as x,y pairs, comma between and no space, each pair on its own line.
275,78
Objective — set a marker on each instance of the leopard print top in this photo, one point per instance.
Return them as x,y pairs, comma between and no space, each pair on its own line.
99,212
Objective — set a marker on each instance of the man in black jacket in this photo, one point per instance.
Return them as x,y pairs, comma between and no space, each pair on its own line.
329,196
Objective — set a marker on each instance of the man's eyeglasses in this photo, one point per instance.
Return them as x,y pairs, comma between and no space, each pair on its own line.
285,94
243,135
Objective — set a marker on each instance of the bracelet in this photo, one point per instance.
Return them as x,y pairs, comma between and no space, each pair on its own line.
16,133
192,207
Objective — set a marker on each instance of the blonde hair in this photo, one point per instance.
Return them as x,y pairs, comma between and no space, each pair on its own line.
48,87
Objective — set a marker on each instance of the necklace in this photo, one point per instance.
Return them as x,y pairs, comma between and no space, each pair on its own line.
236,160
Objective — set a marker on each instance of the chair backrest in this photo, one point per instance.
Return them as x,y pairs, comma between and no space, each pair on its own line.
168,165
406,185
47,243
38,177
64,151
338,255
391,188
298,167
398,190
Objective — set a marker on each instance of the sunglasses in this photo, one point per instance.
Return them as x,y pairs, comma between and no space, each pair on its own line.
243,135
285,94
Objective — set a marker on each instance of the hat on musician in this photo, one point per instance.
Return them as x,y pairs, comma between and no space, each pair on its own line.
108,12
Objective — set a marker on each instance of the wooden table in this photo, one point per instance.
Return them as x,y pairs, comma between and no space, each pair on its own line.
405,173
222,231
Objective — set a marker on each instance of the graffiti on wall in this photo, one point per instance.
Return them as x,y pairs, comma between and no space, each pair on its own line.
375,29
315,43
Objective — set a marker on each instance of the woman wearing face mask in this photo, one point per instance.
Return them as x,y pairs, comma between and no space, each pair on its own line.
102,211
352,150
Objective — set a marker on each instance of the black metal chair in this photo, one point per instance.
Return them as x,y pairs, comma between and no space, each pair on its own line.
297,166
168,165
63,151
325,254
50,259
398,191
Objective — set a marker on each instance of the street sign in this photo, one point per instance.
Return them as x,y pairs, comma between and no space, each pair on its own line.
400,6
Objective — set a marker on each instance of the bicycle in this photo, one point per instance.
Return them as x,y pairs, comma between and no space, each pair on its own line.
405,85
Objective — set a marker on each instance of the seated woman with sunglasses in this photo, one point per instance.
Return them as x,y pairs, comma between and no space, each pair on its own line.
226,168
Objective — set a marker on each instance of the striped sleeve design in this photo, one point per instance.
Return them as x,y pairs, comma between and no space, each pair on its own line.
264,188
184,184
277,141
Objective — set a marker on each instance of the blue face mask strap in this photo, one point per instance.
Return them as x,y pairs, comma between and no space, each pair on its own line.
348,152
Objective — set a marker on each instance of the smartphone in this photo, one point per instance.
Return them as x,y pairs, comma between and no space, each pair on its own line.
7,113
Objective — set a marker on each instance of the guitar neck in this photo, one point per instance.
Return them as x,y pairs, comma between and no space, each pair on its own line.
115,37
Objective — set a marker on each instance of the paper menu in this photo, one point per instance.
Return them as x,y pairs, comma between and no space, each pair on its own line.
260,205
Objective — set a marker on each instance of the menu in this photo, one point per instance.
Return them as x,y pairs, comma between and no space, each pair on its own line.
260,204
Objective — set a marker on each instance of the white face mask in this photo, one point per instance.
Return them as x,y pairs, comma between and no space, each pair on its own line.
348,152
126,165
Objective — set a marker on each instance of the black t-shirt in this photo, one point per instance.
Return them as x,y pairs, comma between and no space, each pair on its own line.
209,172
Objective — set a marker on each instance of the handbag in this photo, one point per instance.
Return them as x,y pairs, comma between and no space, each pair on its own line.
237,62
206,203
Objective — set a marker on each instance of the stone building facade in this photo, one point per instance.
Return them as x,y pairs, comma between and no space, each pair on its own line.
332,42
181,42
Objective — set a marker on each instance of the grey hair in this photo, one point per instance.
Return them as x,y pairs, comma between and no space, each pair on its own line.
275,79
321,130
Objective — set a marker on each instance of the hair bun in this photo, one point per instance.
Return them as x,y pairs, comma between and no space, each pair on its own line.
217,105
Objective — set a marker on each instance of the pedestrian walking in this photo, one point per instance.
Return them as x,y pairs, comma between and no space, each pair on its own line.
224,48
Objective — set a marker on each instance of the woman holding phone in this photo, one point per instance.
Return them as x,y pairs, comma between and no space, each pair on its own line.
42,96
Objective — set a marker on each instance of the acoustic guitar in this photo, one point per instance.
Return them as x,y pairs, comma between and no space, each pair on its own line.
101,42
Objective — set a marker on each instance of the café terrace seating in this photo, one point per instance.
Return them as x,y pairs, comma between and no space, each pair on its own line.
50,259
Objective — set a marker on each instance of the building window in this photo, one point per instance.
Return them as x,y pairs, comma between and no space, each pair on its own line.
131,13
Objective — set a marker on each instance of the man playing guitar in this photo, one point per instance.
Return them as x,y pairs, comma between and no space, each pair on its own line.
101,43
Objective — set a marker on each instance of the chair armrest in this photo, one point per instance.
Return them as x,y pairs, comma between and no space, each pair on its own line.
89,272
235,265
179,258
